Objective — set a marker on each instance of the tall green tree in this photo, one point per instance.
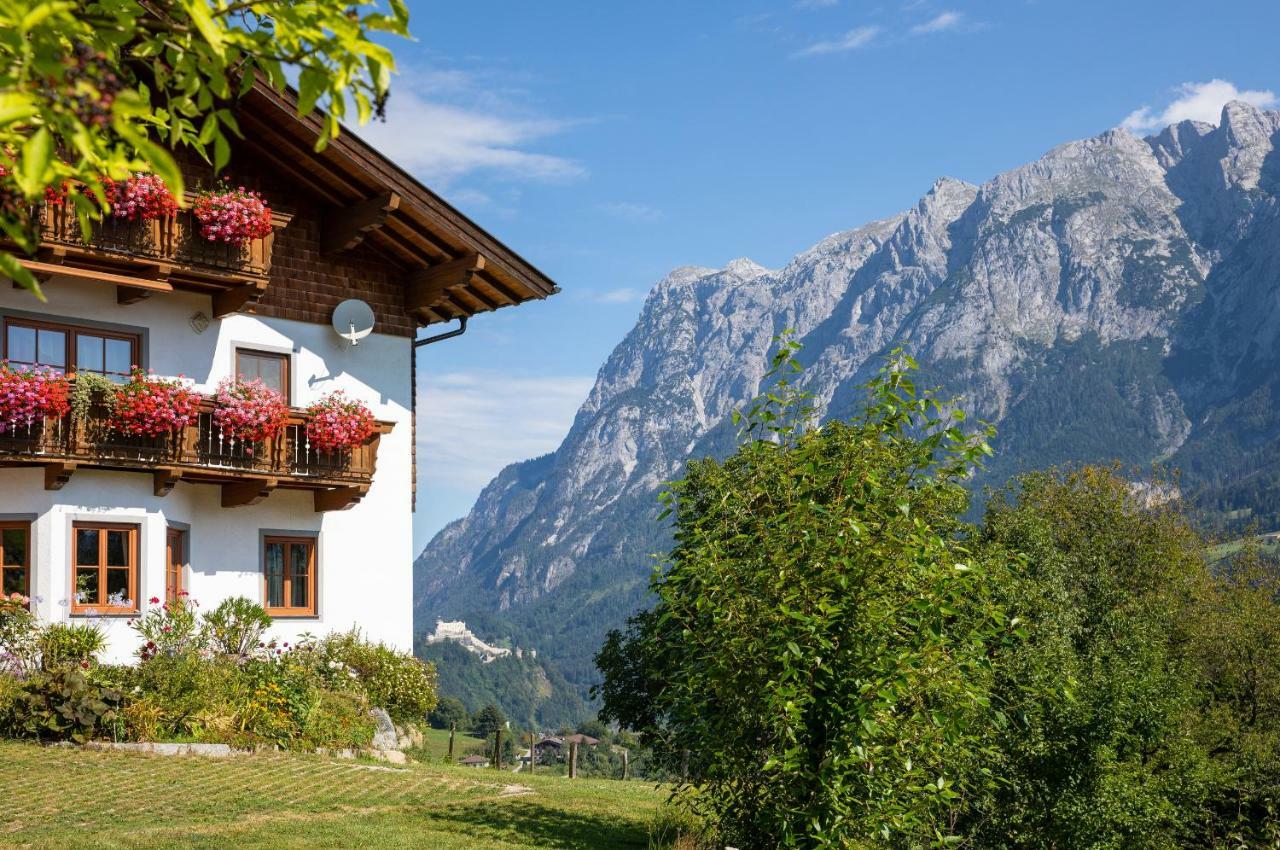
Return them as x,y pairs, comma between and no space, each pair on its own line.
1143,708
817,664
488,720
98,88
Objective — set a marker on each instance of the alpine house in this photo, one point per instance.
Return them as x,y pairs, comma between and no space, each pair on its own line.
218,400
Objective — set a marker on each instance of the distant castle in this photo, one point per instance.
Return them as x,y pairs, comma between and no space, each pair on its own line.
457,631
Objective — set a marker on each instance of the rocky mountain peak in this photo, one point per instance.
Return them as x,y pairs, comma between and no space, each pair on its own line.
1114,299
745,268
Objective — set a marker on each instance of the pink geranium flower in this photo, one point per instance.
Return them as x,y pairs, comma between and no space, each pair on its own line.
234,216
339,423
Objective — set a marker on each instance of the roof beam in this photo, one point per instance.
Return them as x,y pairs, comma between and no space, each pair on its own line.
338,498
247,492
430,287
53,269
345,229
230,301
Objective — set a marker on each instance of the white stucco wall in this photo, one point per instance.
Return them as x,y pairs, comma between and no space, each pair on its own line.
364,554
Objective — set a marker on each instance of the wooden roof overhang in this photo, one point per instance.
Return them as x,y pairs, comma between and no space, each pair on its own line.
453,268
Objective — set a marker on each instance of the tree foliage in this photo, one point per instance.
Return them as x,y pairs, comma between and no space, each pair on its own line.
1144,706
488,720
837,659
105,88
816,667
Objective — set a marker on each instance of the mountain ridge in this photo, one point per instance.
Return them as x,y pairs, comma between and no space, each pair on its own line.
1117,298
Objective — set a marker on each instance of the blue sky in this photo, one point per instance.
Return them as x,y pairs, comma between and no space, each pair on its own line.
610,142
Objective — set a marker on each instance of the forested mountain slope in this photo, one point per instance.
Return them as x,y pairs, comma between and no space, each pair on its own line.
1118,298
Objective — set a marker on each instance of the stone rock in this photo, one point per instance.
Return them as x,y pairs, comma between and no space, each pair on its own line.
390,756
409,736
384,736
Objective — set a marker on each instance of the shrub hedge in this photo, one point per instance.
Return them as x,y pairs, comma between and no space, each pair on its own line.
214,678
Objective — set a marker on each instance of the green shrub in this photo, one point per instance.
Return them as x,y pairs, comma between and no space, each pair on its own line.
19,636
396,681
180,693
10,689
71,644
816,665
64,704
448,711
338,721
237,627
170,629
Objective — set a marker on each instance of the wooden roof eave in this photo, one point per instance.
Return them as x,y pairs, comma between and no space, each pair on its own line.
350,171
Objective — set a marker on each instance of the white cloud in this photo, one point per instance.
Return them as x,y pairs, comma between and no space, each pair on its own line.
472,424
631,211
1195,102
469,198
851,40
443,124
621,295
939,23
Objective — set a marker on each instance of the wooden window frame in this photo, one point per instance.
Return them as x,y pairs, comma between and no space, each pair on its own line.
312,581
72,331
284,359
174,589
26,565
103,608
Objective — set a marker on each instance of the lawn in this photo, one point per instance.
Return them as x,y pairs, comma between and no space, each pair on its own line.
66,797
435,744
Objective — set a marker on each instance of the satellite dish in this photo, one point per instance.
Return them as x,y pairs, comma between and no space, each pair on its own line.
353,320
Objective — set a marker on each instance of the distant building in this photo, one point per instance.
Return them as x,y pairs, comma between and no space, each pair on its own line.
457,632
474,761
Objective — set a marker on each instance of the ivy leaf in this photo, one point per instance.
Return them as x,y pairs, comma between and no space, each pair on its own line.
10,267
37,153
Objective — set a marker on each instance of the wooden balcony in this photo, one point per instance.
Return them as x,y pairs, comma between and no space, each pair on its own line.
201,453
145,257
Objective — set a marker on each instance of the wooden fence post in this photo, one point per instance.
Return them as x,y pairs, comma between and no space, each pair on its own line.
573,759
532,756
497,749
626,762
453,727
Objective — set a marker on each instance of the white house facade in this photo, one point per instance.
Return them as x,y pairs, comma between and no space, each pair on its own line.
87,518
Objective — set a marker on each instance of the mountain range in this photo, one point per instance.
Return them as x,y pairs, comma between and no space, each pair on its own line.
1116,299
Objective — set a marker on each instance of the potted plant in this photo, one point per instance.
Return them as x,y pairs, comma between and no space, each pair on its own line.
143,197
249,411
29,396
149,406
337,423
232,216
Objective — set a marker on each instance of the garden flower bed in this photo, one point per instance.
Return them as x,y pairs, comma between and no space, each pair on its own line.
211,678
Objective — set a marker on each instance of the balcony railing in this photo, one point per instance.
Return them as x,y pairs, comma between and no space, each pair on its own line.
172,239
201,452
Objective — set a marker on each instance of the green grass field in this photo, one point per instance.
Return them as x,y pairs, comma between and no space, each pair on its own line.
436,744
66,797
1267,544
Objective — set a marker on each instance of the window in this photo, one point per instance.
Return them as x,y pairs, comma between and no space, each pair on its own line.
15,553
175,563
270,368
104,567
289,576
66,348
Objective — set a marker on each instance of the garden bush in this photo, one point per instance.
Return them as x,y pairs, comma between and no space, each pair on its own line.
396,681
236,627
19,636
70,644
66,704
215,678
